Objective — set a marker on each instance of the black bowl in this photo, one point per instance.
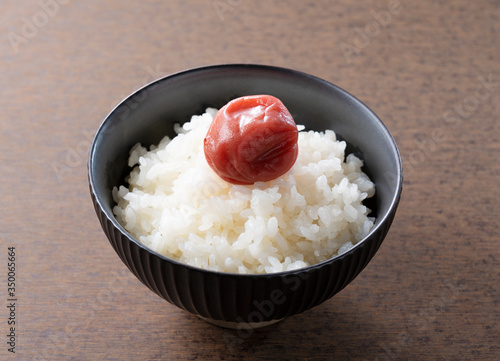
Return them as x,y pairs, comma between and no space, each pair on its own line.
228,299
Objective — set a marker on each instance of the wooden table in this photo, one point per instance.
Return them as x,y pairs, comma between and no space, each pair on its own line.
430,70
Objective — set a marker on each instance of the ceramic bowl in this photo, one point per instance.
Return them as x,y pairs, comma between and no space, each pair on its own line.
228,299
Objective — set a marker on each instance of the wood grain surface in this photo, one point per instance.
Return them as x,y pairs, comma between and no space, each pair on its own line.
429,69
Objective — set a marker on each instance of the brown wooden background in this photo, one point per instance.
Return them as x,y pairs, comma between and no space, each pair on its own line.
430,70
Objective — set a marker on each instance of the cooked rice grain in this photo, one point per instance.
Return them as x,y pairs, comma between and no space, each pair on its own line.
177,206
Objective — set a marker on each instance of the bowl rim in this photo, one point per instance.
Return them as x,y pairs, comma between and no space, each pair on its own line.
252,67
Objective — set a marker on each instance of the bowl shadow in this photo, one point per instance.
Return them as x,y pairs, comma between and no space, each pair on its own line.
317,334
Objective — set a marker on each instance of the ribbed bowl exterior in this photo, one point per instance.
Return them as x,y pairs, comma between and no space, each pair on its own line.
240,298
151,112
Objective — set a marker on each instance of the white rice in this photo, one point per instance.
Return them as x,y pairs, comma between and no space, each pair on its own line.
177,206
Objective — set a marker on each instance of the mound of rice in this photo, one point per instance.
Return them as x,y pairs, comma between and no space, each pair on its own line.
177,206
